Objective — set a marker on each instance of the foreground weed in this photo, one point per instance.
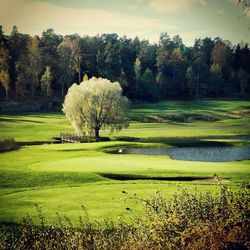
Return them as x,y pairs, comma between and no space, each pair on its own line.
186,221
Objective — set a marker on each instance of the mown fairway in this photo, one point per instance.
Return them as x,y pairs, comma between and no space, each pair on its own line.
63,177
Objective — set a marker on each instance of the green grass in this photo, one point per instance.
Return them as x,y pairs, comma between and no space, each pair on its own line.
62,177
33,127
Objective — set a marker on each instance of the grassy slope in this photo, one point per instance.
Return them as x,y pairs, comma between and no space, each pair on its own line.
63,177
44,126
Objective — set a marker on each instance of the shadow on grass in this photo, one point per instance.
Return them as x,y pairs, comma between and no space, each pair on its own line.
125,177
73,150
18,120
208,141
33,143
177,142
16,179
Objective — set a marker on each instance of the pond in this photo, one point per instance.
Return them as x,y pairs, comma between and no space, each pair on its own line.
206,154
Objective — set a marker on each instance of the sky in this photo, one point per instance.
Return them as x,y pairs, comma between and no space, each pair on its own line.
146,19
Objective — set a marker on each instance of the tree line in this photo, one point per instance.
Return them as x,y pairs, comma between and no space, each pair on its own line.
46,66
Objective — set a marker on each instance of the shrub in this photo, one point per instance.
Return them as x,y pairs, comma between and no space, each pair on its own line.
7,144
199,221
187,221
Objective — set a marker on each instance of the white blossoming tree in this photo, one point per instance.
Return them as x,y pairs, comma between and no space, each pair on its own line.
95,103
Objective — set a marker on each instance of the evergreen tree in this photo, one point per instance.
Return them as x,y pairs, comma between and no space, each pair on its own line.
215,80
4,67
46,82
65,64
34,64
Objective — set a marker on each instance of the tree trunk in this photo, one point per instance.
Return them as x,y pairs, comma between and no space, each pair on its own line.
7,94
79,73
174,75
62,89
217,89
197,85
242,88
97,132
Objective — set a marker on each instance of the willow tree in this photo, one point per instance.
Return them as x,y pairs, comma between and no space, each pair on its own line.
4,72
95,103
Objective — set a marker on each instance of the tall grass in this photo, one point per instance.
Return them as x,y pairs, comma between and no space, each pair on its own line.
186,221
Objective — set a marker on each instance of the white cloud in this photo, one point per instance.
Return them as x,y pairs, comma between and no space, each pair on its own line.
34,17
153,37
162,6
190,36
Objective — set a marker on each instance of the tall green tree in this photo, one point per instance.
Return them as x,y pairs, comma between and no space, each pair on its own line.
179,68
4,65
147,56
46,82
222,55
191,81
22,80
77,55
171,65
112,60
243,77
65,64
200,70
49,54
4,71
48,45
18,63
197,76
138,75
34,64
240,64
123,79
215,80
28,68
149,90
128,52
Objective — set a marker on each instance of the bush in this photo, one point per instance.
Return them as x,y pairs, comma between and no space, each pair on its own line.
187,221
199,221
7,144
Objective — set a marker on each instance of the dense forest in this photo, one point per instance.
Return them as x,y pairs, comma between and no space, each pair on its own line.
45,67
